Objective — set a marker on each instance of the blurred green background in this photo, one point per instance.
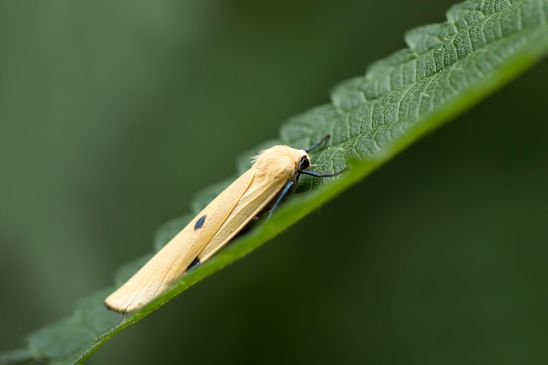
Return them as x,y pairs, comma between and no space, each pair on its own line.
114,113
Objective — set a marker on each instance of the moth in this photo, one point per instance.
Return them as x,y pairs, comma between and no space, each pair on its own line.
272,176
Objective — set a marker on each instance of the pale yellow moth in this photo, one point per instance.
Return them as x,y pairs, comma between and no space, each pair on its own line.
272,176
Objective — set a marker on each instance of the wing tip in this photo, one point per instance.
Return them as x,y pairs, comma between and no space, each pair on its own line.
114,308
116,304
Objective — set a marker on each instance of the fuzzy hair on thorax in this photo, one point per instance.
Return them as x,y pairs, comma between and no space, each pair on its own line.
278,162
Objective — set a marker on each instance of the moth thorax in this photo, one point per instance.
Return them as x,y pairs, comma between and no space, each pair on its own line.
279,162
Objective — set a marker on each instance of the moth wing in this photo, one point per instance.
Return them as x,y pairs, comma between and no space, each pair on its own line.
259,194
174,258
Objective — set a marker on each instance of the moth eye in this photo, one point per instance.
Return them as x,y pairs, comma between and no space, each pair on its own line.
305,163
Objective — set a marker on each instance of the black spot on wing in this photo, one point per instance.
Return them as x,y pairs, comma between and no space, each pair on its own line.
199,223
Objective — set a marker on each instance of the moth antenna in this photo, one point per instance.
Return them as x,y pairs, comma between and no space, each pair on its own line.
318,144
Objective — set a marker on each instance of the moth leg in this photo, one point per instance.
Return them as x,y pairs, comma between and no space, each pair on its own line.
193,264
247,228
285,191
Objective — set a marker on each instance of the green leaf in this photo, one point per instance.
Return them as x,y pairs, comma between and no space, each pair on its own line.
446,69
